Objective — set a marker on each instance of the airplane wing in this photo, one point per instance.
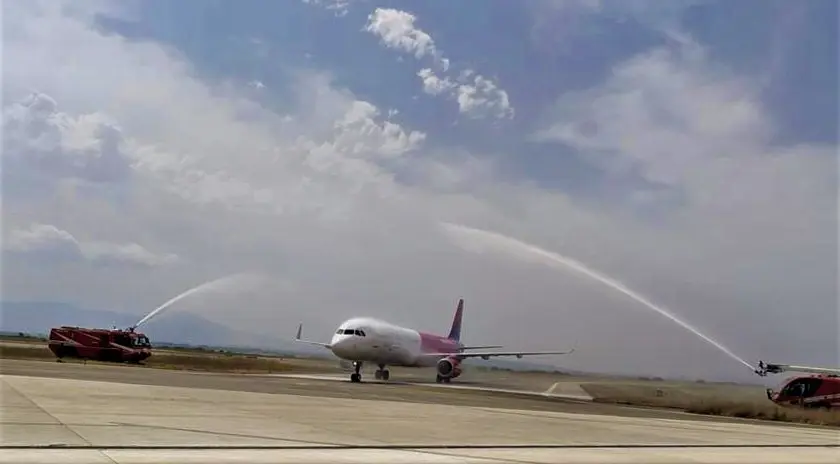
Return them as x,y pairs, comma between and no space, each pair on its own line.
494,354
310,342
479,347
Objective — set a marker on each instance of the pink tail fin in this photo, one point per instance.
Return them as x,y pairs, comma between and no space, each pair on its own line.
455,331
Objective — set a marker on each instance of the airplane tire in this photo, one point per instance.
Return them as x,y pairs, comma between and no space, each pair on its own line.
385,374
439,379
355,378
377,374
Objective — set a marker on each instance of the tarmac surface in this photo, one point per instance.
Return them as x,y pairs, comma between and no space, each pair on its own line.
62,412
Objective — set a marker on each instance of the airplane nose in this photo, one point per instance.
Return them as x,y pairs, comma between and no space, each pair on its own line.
341,344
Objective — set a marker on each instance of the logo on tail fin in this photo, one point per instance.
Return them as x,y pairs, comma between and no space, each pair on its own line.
455,331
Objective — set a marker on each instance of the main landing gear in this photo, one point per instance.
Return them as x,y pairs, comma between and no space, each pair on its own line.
440,379
381,373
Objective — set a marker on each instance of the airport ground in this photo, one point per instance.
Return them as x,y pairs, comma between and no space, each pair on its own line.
308,411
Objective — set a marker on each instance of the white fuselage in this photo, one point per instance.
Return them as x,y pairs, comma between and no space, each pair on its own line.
379,342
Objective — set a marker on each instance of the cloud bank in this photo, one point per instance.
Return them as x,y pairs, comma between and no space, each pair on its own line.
697,204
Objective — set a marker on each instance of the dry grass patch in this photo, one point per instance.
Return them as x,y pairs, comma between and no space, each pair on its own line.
11,351
210,362
709,399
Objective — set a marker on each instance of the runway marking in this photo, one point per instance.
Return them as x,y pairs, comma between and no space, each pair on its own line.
336,378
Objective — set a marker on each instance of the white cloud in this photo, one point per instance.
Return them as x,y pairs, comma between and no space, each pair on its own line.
557,21
395,28
339,7
358,132
483,97
678,120
47,238
343,201
87,146
434,85
478,98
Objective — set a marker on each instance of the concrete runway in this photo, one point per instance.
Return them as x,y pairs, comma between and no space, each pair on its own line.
564,390
122,414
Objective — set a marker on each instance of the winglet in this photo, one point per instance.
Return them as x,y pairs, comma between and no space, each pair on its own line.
310,342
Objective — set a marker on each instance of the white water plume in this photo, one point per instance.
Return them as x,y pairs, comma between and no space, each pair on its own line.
478,240
227,283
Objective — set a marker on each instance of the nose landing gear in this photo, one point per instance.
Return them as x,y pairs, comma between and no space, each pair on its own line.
356,377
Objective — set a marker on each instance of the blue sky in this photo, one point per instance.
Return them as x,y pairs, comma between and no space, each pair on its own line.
687,148
793,48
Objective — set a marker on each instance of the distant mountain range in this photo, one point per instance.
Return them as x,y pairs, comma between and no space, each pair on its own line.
174,328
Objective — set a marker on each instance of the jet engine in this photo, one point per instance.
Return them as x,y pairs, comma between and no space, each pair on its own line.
449,368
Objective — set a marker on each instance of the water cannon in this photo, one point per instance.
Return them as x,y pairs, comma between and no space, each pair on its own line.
768,368
765,368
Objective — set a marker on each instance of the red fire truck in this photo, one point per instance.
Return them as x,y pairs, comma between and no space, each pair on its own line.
819,390
112,345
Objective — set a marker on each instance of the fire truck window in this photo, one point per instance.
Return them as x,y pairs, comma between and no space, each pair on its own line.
811,386
801,387
790,389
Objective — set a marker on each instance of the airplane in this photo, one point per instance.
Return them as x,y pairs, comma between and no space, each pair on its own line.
366,339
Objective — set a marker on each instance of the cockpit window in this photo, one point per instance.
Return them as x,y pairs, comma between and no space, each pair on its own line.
357,332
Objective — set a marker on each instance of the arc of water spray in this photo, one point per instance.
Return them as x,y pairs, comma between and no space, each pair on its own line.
471,239
217,284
